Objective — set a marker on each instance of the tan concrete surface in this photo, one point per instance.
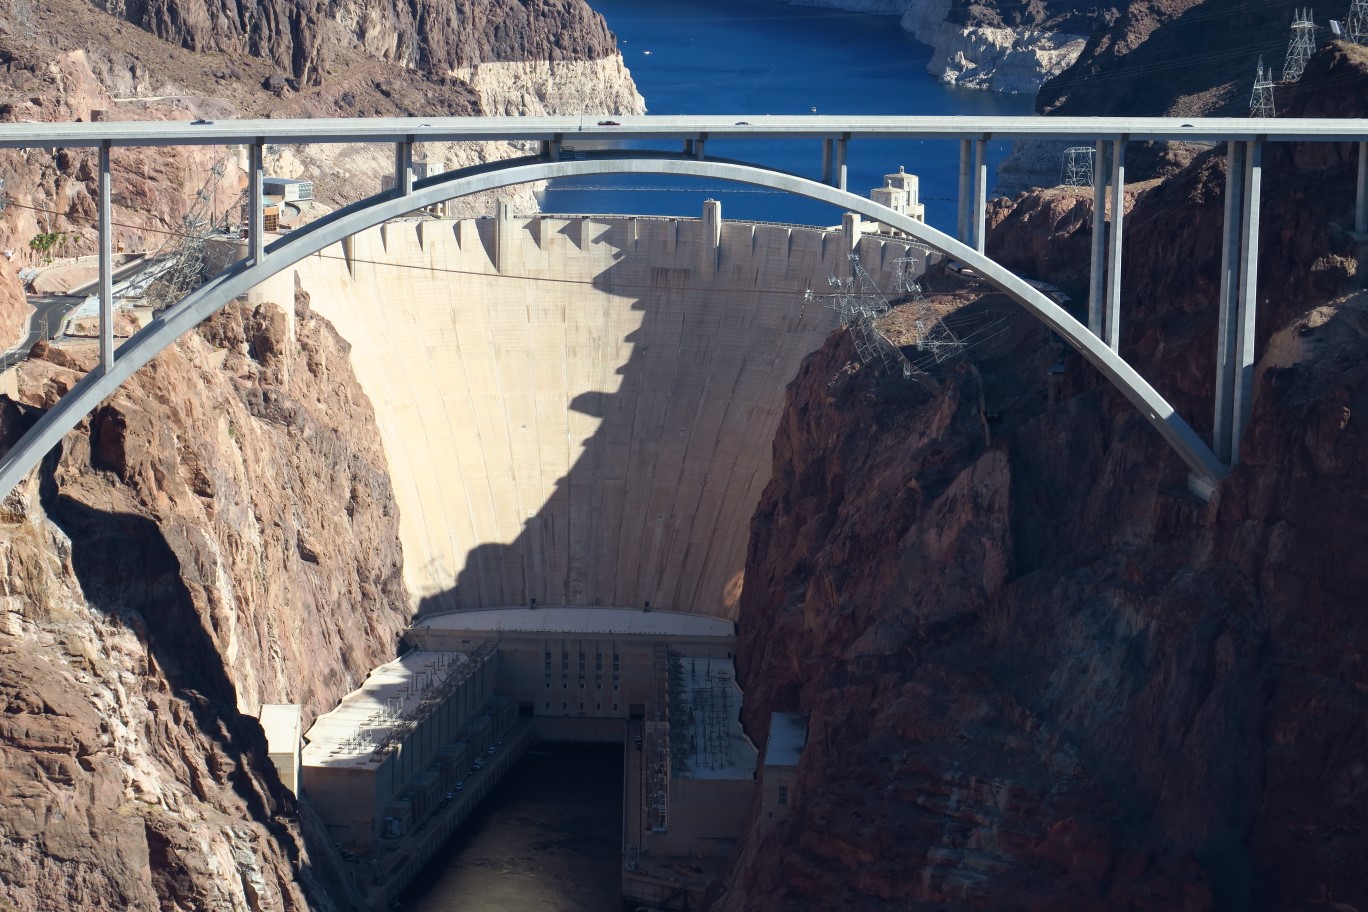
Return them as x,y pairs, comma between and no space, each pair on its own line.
592,425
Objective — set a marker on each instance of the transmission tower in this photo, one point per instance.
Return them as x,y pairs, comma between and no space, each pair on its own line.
1261,100
1356,24
1301,46
860,304
184,253
1078,166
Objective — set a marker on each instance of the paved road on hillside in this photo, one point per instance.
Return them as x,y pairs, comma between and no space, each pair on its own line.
48,311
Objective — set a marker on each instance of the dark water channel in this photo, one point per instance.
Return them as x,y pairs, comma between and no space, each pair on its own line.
548,839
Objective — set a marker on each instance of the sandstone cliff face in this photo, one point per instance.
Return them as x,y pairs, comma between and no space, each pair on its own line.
220,533
1042,676
302,37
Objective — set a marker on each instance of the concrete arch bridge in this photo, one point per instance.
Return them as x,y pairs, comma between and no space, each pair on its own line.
542,569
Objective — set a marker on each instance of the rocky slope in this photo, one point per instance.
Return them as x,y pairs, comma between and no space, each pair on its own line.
1183,58
304,38
1040,674
220,533
1002,47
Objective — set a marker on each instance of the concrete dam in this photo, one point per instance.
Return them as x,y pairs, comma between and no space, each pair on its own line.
579,411
578,416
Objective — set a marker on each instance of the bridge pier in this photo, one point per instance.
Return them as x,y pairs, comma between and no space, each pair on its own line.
972,223
841,168
1238,303
1097,273
826,160
403,167
1361,199
1111,317
980,193
962,213
106,229
256,217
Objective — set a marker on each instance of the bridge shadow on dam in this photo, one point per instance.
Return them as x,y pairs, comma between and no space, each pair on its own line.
656,503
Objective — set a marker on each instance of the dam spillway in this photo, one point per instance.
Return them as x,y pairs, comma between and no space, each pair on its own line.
579,411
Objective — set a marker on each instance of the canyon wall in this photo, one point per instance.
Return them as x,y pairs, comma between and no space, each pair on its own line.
1039,673
303,38
220,533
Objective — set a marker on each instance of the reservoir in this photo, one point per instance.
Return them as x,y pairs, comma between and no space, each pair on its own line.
750,58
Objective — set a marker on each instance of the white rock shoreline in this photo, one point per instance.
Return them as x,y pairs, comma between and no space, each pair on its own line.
980,57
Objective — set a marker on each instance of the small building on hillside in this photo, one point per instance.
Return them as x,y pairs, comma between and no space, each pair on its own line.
287,189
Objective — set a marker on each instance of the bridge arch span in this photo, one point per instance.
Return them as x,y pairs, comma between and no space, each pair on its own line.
284,252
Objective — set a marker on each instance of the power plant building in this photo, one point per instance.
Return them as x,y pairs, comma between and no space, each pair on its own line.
377,766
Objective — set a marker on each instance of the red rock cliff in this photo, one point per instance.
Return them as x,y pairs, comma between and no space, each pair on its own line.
1042,676
219,533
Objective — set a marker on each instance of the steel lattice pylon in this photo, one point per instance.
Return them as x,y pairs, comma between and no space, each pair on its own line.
1261,99
1078,166
184,252
1356,23
859,302
1301,45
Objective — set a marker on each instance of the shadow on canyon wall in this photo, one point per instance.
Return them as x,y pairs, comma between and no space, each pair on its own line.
129,572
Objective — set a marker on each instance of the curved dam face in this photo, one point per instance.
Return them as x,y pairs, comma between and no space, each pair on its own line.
580,411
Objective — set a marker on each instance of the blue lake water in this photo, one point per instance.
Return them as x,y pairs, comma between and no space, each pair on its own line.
748,58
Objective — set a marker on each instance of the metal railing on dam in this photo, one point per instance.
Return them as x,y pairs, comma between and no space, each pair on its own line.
1098,341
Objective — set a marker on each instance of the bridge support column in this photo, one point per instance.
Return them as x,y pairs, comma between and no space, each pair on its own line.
1361,200
106,229
256,218
980,193
962,223
403,167
841,162
826,161
1097,271
1242,399
1222,422
1111,322
1239,302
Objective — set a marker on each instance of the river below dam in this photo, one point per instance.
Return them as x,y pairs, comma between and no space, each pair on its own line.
548,838
750,58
